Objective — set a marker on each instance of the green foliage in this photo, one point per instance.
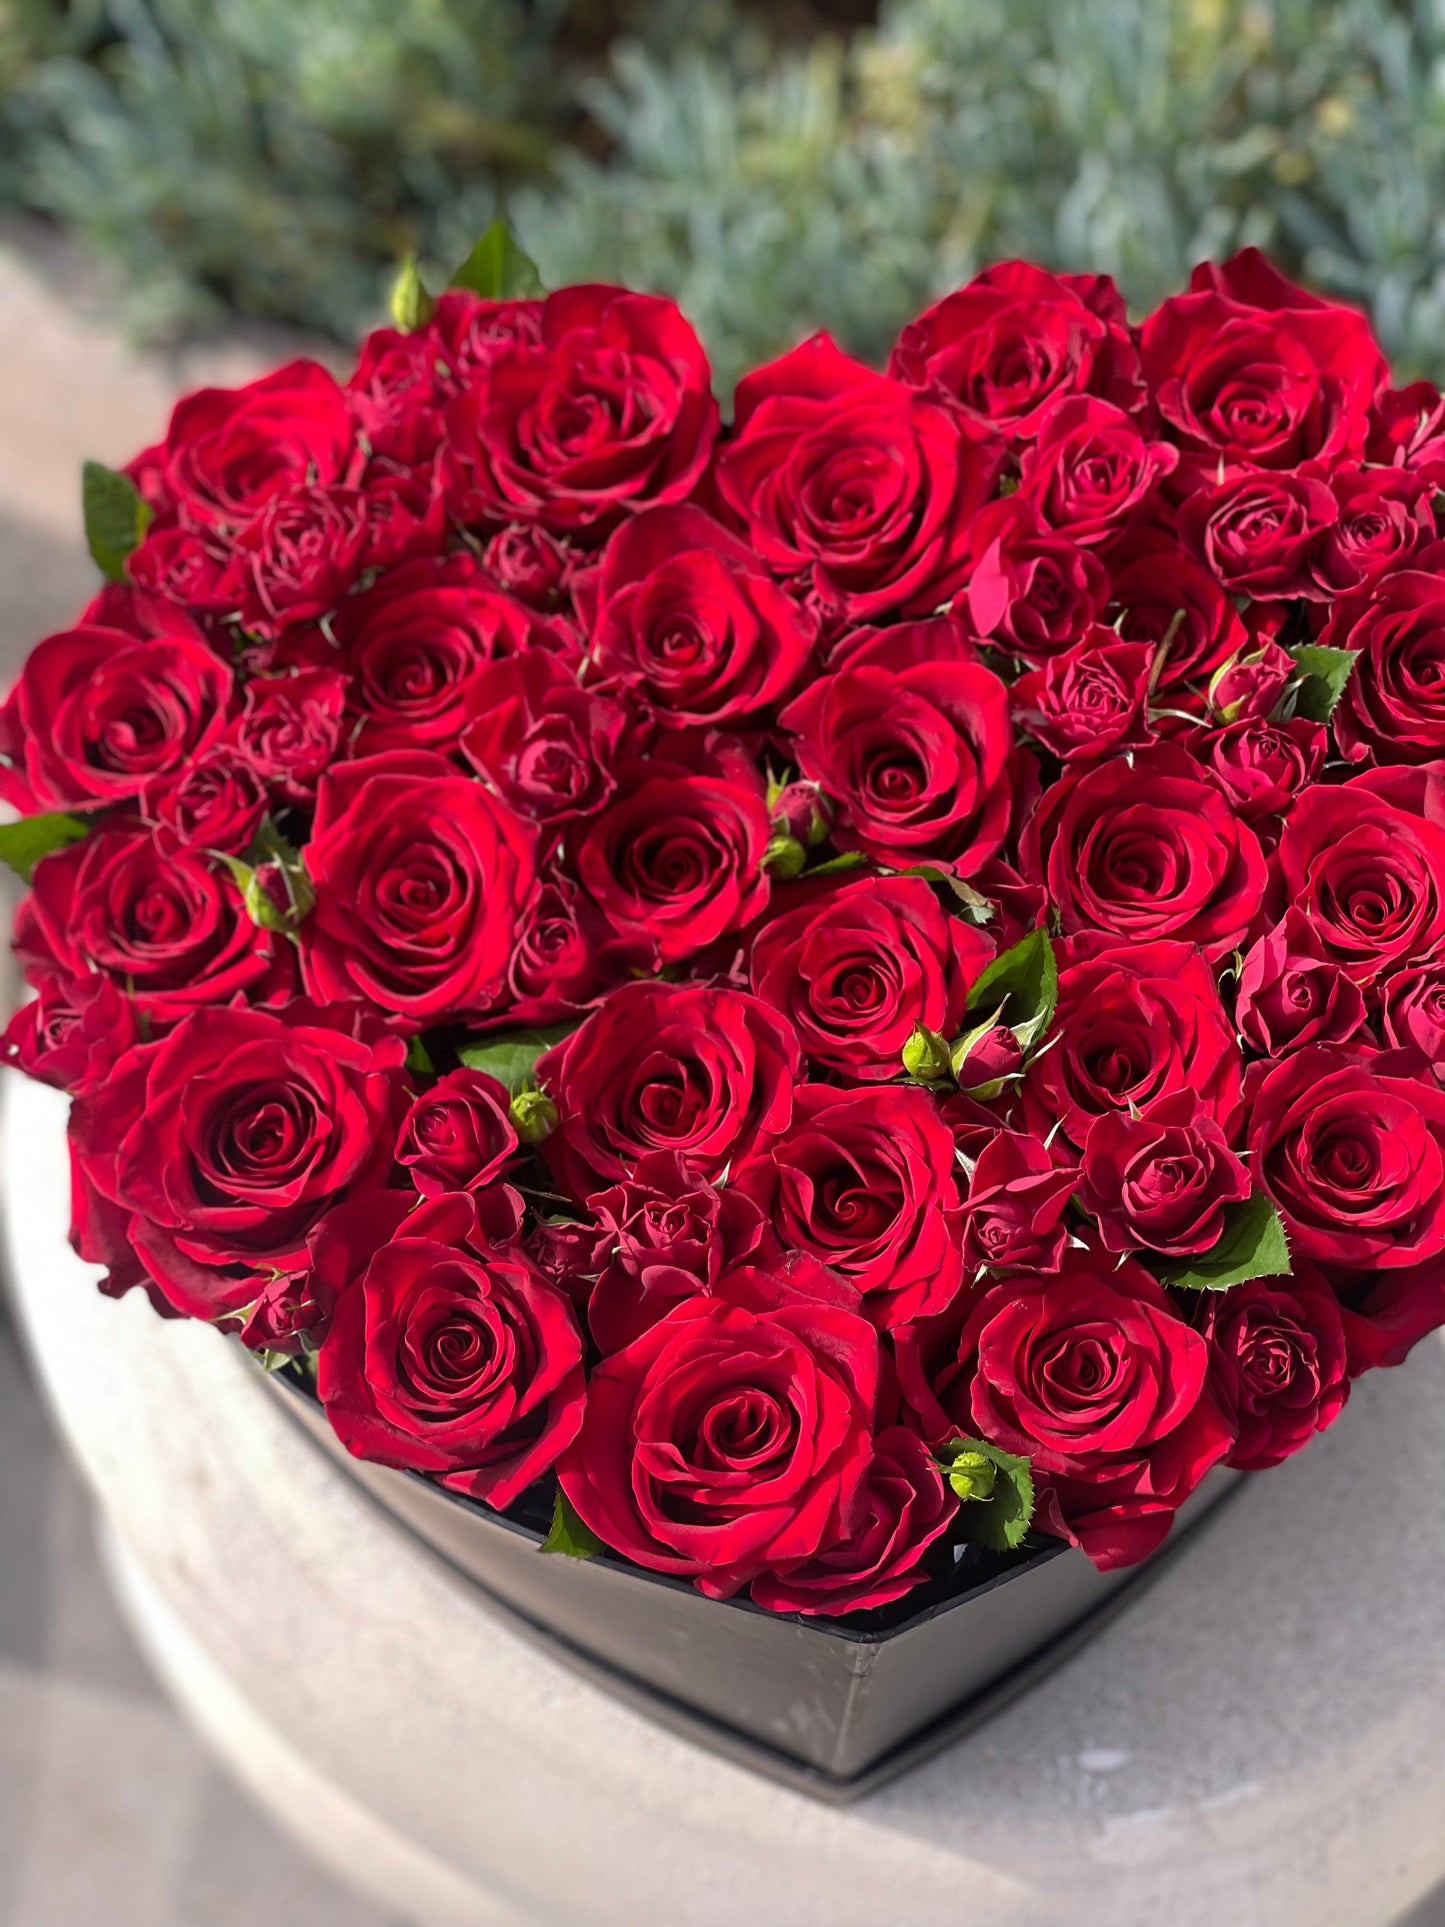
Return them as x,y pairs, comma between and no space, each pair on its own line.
1021,985
115,516
568,1534
497,269
1323,676
997,1490
512,1056
24,843
1252,1245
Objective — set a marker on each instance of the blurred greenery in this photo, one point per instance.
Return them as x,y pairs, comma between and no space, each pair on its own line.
275,155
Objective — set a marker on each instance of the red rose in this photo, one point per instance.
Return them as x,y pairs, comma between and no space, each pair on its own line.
1160,595
911,738
848,478
223,1145
1091,471
467,332
396,397
1253,373
1385,517
664,1234
1393,708
609,410
1089,701
1016,339
229,450
421,878
1031,591
668,1067
863,1180
530,564
1134,1023
289,728
1292,994
1161,1180
1249,687
1412,1012
904,1508
856,968
416,643
688,621
566,954
215,804
1354,1156
1276,1364
724,1443
446,1353
1407,431
1386,1314
97,713
1013,1215
676,859
1369,877
1146,849
457,1136
71,1033
163,921
1259,533
296,559
1094,1377
186,566
546,746
1262,767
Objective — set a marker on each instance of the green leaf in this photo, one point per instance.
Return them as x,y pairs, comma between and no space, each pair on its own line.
835,865
1323,675
23,844
997,1490
411,306
1252,1245
497,269
1025,981
116,517
419,1058
512,1057
569,1534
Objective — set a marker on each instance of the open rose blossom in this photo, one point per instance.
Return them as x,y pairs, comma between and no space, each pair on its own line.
699,975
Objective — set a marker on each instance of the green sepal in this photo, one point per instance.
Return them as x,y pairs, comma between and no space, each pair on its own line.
569,1534
1023,983
534,1116
996,1514
23,844
512,1057
1252,1245
1323,676
497,269
419,1058
836,865
925,1055
412,307
116,516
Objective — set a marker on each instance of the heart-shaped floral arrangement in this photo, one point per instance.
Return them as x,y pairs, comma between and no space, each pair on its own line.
856,982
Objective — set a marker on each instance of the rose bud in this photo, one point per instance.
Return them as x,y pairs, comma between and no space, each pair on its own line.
534,1116
1014,1212
459,1135
1161,1181
800,810
984,1063
784,858
926,1055
1292,994
1251,687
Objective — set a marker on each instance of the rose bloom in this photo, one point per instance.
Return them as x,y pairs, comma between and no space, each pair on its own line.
911,737
863,1180
1160,595
545,745
98,712
1277,1364
854,481
1262,767
1384,519
71,1033
1030,591
1090,701
1013,1215
215,804
421,878
1354,1156
1412,1011
1292,994
1393,708
676,858
857,967
1095,1378
688,621
1134,1023
1250,371
222,1147
1091,471
1370,877
457,1136
1147,849
1162,1180
289,728
707,1073
296,559
446,1354
1014,340
1259,533
725,1443
610,409
415,644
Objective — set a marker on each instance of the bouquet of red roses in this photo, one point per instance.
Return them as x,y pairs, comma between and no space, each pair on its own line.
831,987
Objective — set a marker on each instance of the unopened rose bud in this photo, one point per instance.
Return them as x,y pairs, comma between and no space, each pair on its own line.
925,1055
784,858
800,810
1250,689
985,1061
972,1476
534,1116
